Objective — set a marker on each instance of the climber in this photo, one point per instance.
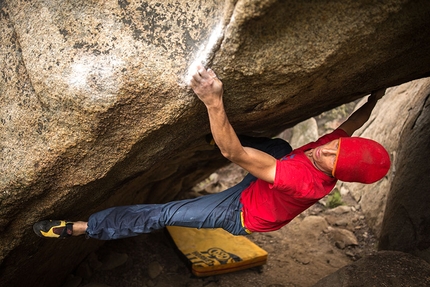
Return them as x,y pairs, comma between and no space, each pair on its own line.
281,182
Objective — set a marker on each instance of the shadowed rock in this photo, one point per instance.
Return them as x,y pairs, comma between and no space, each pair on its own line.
386,268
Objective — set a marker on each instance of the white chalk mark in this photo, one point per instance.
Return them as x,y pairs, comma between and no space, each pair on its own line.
96,78
204,52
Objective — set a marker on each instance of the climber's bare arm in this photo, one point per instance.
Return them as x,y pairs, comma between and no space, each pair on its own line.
209,89
360,116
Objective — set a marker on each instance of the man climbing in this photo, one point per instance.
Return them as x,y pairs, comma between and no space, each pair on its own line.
280,185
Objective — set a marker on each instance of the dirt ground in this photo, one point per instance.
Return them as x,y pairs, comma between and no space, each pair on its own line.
315,244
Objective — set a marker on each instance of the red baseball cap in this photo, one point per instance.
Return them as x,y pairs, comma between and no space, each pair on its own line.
360,160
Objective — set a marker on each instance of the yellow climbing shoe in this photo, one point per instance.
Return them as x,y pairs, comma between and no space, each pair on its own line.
53,228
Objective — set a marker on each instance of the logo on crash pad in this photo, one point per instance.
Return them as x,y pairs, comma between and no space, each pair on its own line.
212,256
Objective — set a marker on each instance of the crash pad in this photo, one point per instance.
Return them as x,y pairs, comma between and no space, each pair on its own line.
215,251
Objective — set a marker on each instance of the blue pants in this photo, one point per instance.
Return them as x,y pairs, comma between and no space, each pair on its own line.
220,210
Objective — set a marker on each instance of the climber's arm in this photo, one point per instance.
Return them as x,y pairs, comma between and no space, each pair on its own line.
357,119
210,91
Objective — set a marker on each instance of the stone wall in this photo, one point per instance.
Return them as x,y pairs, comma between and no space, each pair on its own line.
406,224
396,207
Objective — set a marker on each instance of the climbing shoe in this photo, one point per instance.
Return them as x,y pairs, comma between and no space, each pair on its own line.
53,228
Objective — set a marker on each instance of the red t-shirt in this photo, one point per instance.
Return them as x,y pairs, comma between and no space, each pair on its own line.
297,186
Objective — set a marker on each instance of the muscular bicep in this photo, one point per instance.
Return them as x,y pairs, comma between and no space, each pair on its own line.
258,163
360,116
349,126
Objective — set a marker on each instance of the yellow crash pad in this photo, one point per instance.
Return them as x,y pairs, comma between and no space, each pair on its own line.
215,251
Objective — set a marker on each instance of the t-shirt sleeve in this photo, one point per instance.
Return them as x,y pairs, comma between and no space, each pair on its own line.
291,177
337,133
